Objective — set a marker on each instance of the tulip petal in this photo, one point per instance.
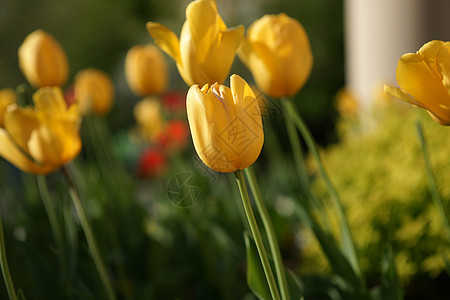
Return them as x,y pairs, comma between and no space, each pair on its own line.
7,97
223,51
443,64
49,100
208,121
44,146
11,153
251,129
204,25
20,123
402,95
166,39
420,80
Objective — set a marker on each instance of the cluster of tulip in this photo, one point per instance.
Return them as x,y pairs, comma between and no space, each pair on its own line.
161,125
225,122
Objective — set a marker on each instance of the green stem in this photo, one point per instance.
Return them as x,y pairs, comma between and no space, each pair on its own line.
296,149
271,236
90,237
345,230
4,265
256,235
300,162
51,213
432,183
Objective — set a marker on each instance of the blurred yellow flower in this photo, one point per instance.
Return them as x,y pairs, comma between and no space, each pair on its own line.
277,52
7,97
424,80
149,117
42,60
346,103
94,90
42,139
225,124
146,70
206,49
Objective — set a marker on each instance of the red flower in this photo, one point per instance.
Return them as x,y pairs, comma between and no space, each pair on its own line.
152,162
175,136
175,102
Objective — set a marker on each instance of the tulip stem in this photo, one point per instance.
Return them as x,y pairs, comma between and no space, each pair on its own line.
4,266
349,247
51,213
90,237
296,149
270,232
240,179
432,183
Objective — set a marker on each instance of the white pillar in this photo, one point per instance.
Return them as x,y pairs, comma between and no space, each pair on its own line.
378,32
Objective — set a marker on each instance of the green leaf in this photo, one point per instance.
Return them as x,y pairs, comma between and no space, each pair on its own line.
390,285
20,295
256,279
294,285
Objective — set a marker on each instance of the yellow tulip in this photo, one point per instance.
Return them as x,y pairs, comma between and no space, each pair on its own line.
148,115
277,52
206,49
424,80
94,90
7,97
41,139
42,60
225,124
146,70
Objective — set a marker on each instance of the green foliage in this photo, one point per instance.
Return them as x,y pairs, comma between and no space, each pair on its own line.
379,172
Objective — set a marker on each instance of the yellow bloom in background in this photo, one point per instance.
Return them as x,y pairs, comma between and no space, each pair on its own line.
225,124
94,91
346,103
149,117
206,49
42,60
424,80
146,70
7,97
277,52
39,140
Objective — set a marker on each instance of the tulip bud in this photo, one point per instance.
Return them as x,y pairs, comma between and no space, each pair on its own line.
7,97
148,115
277,52
94,90
146,70
206,49
424,80
225,124
42,60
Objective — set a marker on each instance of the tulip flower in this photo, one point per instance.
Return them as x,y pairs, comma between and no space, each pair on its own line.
42,60
225,124
148,115
152,162
174,136
277,52
7,97
41,139
206,49
424,80
146,70
94,90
